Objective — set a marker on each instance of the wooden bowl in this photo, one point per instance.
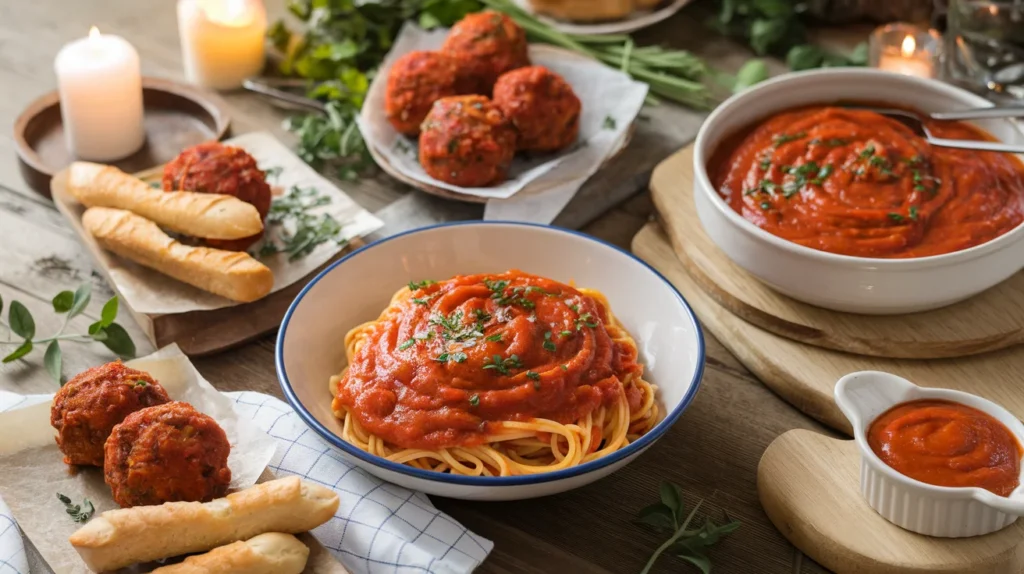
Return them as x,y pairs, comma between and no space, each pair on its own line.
176,117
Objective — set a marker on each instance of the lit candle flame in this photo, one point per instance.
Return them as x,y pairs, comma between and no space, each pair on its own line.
94,33
909,45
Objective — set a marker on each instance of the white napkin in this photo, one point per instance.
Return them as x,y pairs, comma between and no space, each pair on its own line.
377,524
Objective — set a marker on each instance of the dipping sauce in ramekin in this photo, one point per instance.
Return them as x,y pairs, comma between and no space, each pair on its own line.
945,443
854,182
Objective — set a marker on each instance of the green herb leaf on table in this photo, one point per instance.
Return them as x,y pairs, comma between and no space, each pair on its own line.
52,360
78,512
81,300
20,320
62,301
753,72
20,352
688,544
119,341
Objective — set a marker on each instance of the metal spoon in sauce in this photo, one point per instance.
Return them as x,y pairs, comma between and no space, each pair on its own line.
913,121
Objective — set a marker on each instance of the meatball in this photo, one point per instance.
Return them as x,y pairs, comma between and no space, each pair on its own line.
167,453
542,107
485,45
467,141
88,407
213,167
415,82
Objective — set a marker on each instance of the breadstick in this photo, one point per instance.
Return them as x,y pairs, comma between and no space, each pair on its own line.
205,215
119,538
271,553
231,274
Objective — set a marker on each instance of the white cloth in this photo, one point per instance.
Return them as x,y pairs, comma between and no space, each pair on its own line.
379,527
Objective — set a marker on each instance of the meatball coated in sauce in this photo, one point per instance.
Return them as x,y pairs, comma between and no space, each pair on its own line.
86,409
467,141
167,453
485,45
415,82
542,107
213,167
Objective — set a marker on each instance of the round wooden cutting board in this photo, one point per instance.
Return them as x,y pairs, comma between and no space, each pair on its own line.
808,486
990,321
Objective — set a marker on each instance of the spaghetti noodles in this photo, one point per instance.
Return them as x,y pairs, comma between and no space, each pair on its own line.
493,375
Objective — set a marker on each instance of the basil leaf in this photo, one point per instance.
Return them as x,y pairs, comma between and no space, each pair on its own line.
753,72
109,312
62,301
764,34
671,498
20,352
657,515
804,57
859,56
52,360
20,320
118,341
81,299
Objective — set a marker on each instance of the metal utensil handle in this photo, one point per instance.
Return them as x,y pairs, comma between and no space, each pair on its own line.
977,145
281,95
982,113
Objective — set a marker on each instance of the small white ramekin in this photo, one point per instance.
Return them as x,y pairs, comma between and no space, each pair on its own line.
841,282
949,512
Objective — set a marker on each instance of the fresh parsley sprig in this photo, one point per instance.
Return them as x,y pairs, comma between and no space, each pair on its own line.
689,544
301,230
21,324
78,512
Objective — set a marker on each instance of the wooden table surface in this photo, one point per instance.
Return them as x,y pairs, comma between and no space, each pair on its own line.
712,452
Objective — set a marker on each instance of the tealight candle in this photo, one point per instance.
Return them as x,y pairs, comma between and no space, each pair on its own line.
100,97
904,49
222,41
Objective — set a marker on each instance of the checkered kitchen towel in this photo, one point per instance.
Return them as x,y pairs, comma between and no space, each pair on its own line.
379,527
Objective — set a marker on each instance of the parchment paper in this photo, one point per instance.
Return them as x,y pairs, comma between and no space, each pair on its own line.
32,470
604,93
149,291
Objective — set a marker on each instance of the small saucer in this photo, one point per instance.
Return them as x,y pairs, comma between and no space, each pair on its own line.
176,116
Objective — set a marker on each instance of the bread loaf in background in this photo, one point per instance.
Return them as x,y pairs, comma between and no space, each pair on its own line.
271,553
204,215
119,538
231,274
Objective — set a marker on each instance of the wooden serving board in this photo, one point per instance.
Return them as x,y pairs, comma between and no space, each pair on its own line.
809,487
990,321
805,375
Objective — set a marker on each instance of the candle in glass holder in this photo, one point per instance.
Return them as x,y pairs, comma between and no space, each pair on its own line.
904,49
100,97
222,41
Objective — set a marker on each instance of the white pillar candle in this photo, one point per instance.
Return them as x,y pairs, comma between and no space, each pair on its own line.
222,41
100,97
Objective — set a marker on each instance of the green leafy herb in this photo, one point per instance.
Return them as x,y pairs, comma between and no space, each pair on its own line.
585,320
533,375
536,385
766,163
503,366
867,152
421,300
474,400
442,358
78,512
414,285
896,217
459,357
70,304
408,343
786,138
913,212
140,383
565,367
609,123
496,338
751,73
548,343
566,333
688,544
765,205
481,315
453,329
301,230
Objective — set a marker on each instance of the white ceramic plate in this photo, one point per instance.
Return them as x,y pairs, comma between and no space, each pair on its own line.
310,347
635,21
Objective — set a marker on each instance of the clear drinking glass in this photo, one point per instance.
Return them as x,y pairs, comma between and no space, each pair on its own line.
985,46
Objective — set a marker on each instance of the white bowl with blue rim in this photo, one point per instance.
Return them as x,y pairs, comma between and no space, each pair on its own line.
355,289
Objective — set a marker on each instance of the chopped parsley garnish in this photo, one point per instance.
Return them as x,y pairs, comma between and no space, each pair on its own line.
824,172
453,329
442,358
474,399
585,320
300,230
140,383
494,338
565,367
481,315
765,205
867,152
414,285
836,142
896,217
515,297
503,366
913,212
575,308
533,375
786,138
566,333
407,344
548,344
78,512
766,163
609,123
421,300
536,385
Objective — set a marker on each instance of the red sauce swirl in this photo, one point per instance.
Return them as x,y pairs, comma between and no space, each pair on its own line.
441,366
854,182
947,444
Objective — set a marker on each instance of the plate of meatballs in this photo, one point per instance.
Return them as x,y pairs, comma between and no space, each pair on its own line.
476,112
